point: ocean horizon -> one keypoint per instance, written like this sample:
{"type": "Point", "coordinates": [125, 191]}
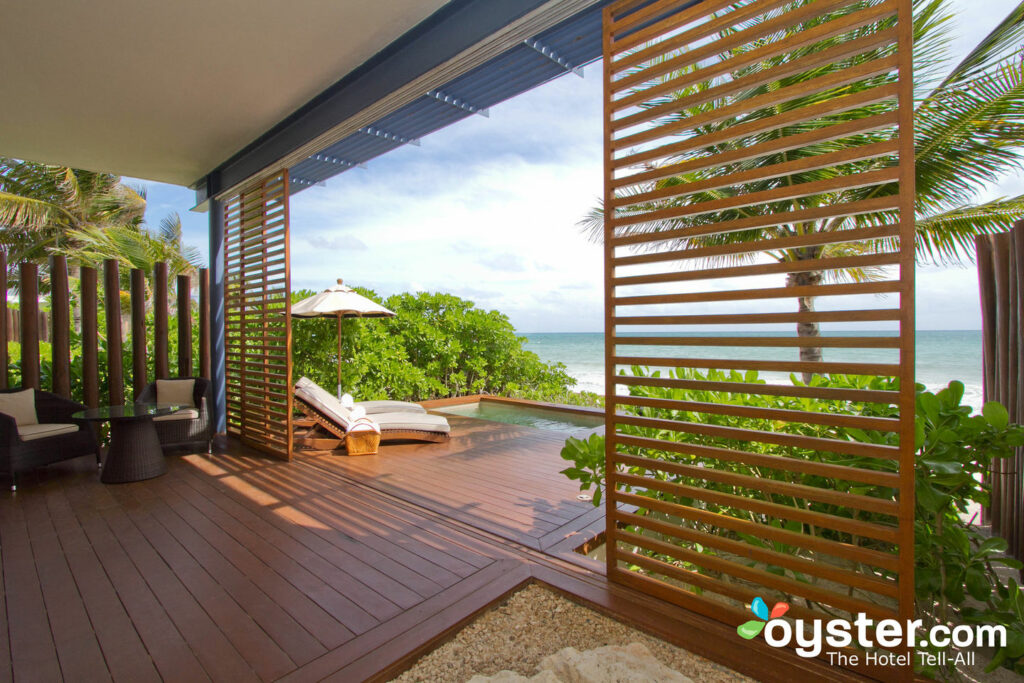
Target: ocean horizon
{"type": "Point", "coordinates": [941, 355]}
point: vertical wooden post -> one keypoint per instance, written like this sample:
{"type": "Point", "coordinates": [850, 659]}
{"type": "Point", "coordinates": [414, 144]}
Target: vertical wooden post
{"type": "Point", "coordinates": [112, 307]}
{"type": "Point", "coordinates": [138, 294]}
{"type": "Point", "coordinates": [204, 323]}
{"type": "Point", "coordinates": [60, 325]}
{"type": "Point", "coordinates": [184, 286]}
{"type": "Point", "coordinates": [160, 370]}
{"type": "Point", "coordinates": [90, 340]}
{"type": "Point", "coordinates": [3, 320]}
{"type": "Point", "coordinates": [29, 325]}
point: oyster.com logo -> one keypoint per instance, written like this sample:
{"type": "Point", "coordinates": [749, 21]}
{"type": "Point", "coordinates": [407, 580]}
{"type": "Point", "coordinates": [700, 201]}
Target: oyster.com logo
{"type": "Point", "coordinates": [753, 628]}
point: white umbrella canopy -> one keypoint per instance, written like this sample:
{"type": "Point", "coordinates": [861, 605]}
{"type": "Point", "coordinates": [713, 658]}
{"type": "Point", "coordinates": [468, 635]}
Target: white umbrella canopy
{"type": "Point", "coordinates": [339, 302]}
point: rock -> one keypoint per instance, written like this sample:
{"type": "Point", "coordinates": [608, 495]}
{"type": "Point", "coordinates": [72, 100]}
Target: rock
{"type": "Point", "coordinates": [631, 663]}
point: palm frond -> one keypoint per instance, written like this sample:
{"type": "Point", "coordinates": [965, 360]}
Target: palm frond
{"type": "Point", "coordinates": [992, 49]}
{"type": "Point", "coordinates": [948, 237]}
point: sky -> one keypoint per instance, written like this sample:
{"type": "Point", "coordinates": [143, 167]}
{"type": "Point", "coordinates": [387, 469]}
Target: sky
{"type": "Point", "coordinates": [487, 209]}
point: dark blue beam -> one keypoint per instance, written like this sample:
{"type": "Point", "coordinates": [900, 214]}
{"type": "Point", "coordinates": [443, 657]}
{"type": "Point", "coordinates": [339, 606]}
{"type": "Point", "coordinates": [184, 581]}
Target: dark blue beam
{"type": "Point", "coordinates": [452, 29]}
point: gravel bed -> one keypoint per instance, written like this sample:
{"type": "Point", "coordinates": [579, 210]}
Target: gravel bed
{"type": "Point", "coordinates": [536, 622]}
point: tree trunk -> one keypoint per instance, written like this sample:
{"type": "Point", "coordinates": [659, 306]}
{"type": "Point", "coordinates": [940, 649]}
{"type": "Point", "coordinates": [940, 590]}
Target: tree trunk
{"type": "Point", "coordinates": [806, 305]}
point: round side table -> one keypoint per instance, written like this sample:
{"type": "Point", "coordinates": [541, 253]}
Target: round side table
{"type": "Point", "coordinates": [134, 452]}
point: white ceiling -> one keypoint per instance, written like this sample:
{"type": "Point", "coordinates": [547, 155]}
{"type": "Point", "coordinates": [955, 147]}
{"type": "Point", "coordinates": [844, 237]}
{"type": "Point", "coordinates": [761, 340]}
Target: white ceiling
{"type": "Point", "coordinates": [168, 89]}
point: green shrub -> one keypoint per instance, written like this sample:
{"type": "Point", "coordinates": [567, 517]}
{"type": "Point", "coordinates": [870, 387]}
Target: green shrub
{"type": "Point", "coordinates": [955, 575]}
{"type": "Point", "coordinates": [438, 345]}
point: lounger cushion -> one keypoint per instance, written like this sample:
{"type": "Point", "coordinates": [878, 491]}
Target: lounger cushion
{"type": "Point", "coordinates": [183, 414]}
{"type": "Point", "coordinates": [176, 391]}
{"type": "Point", "coordinates": [331, 407]}
{"type": "Point", "coordinates": [420, 422]}
{"type": "Point", "coordinates": [21, 405]}
{"type": "Point", "coordinates": [373, 407]}
{"type": "Point", "coordinates": [41, 431]}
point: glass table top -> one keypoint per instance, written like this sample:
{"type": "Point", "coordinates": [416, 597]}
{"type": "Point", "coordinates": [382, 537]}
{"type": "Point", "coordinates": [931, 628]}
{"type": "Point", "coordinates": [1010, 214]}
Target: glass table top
{"type": "Point", "coordinates": [127, 412]}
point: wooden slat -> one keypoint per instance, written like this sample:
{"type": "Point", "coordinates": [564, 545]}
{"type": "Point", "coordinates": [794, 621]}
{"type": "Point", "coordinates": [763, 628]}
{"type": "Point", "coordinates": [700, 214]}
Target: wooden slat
{"type": "Point", "coordinates": [676, 40]}
{"type": "Point", "coordinates": [774, 462]}
{"type": "Point", "coordinates": [140, 362]}
{"type": "Point", "coordinates": [822, 393]}
{"type": "Point", "coordinates": [90, 337]}
{"type": "Point", "coordinates": [4, 332]}
{"type": "Point", "coordinates": [815, 443]}
{"type": "Point", "coordinates": [883, 424]}
{"type": "Point", "coordinates": [802, 266]}
{"type": "Point", "coordinates": [60, 320]}
{"type": "Point", "coordinates": [855, 288]}
{"type": "Point", "coordinates": [761, 577]}
{"type": "Point", "coordinates": [29, 309]}
{"type": "Point", "coordinates": [765, 51]}
{"type": "Point", "coordinates": [765, 556]}
{"type": "Point", "coordinates": [813, 239]}
{"type": "Point", "coordinates": [184, 291]}
{"type": "Point", "coordinates": [846, 551]}
{"type": "Point", "coordinates": [794, 191]}
{"type": "Point", "coordinates": [816, 367]}
{"type": "Point", "coordinates": [112, 309]}
{"type": "Point", "coordinates": [161, 369]}
{"type": "Point", "coordinates": [782, 143]}
{"type": "Point", "coordinates": [868, 315]}
{"type": "Point", "coordinates": [800, 492]}
{"type": "Point", "coordinates": [204, 323]}
{"type": "Point", "coordinates": [844, 524]}
{"type": "Point", "coordinates": [804, 164]}
{"type": "Point", "coordinates": [702, 146]}
{"type": "Point", "coordinates": [767, 342]}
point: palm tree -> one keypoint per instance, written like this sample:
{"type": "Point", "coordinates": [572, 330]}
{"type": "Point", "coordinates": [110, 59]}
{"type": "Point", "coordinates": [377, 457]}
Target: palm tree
{"type": "Point", "coordinates": [969, 132]}
{"type": "Point", "coordinates": [42, 205]}
{"type": "Point", "coordinates": [134, 246]}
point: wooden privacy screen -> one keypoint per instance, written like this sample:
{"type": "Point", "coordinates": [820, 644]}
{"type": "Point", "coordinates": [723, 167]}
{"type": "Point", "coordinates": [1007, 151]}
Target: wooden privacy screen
{"type": "Point", "coordinates": [759, 159]}
{"type": "Point", "coordinates": [1001, 280]}
{"type": "Point", "coordinates": [257, 317]}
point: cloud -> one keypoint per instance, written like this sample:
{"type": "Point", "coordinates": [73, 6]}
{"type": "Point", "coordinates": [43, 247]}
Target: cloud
{"type": "Point", "coordinates": [509, 263]}
{"type": "Point", "coordinates": [338, 242]}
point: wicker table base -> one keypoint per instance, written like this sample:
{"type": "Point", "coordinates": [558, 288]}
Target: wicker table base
{"type": "Point", "coordinates": [134, 453]}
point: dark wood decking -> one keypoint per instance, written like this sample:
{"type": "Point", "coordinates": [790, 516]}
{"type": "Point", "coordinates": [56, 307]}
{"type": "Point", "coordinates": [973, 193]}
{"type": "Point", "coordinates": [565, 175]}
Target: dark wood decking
{"type": "Point", "coordinates": [501, 478]}
{"type": "Point", "coordinates": [236, 567]}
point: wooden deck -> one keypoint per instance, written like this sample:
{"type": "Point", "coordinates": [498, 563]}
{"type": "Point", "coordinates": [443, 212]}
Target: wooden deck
{"type": "Point", "coordinates": [236, 567]}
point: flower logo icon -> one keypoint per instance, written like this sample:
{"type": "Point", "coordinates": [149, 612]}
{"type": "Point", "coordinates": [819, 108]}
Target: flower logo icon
{"type": "Point", "coordinates": [753, 627]}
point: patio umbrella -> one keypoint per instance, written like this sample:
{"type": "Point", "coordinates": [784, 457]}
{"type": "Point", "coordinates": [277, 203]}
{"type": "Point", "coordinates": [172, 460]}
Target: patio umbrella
{"type": "Point", "coordinates": [339, 302]}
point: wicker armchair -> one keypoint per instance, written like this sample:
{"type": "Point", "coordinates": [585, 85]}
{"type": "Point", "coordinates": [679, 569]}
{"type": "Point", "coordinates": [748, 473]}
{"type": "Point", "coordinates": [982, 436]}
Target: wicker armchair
{"type": "Point", "coordinates": [19, 455]}
{"type": "Point", "coordinates": [176, 432]}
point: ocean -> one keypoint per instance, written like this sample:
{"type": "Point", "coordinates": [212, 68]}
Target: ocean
{"type": "Point", "coordinates": [942, 356]}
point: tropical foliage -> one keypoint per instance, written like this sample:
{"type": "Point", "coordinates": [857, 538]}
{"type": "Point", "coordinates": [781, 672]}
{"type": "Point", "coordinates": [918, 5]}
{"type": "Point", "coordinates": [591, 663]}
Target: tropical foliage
{"type": "Point", "coordinates": [956, 575]}
{"type": "Point", "coordinates": [969, 133]}
{"type": "Point", "coordinates": [85, 215]}
{"type": "Point", "coordinates": [438, 345]}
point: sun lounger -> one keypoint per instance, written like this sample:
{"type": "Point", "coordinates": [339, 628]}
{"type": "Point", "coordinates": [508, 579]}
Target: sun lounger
{"type": "Point", "coordinates": [328, 421]}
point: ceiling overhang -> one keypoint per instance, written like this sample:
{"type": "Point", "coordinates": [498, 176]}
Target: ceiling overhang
{"type": "Point", "coordinates": [167, 91]}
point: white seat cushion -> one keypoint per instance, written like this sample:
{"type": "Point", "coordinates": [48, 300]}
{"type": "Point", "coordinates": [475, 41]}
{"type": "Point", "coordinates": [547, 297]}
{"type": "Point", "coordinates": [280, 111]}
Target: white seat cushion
{"type": "Point", "coordinates": [314, 395]}
{"type": "Point", "coordinates": [421, 422]}
{"type": "Point", "coordinates": [176, 391]}
{"type": "Point", "coordinates": [41, 431]}
{"type": "Point", "coordinates": [21, 405]}
{"type": "Point", "coordinates": [373, 407]}
{"type": "Point", "coordinates": [183, 414]}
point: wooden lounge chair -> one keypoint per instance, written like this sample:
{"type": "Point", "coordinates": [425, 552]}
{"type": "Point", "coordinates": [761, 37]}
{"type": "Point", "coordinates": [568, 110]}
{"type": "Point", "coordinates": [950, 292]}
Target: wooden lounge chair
{"type": "Point", "coordinates": [327, 421]}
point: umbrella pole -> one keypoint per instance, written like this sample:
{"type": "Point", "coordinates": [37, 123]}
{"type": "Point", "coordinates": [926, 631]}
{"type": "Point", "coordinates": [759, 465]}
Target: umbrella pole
{"type": "Point", "coordinates": [339, 357]}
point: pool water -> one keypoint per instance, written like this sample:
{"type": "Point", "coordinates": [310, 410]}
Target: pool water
{"type": "Point", "coordinates": [529, 416]}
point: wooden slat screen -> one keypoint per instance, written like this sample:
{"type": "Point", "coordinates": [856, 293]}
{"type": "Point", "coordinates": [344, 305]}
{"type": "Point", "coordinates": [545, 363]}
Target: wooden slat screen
{"type": "Point", "coordinates": [257, 314]}
{"type": "Point", "coordinates": [756, 150]}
